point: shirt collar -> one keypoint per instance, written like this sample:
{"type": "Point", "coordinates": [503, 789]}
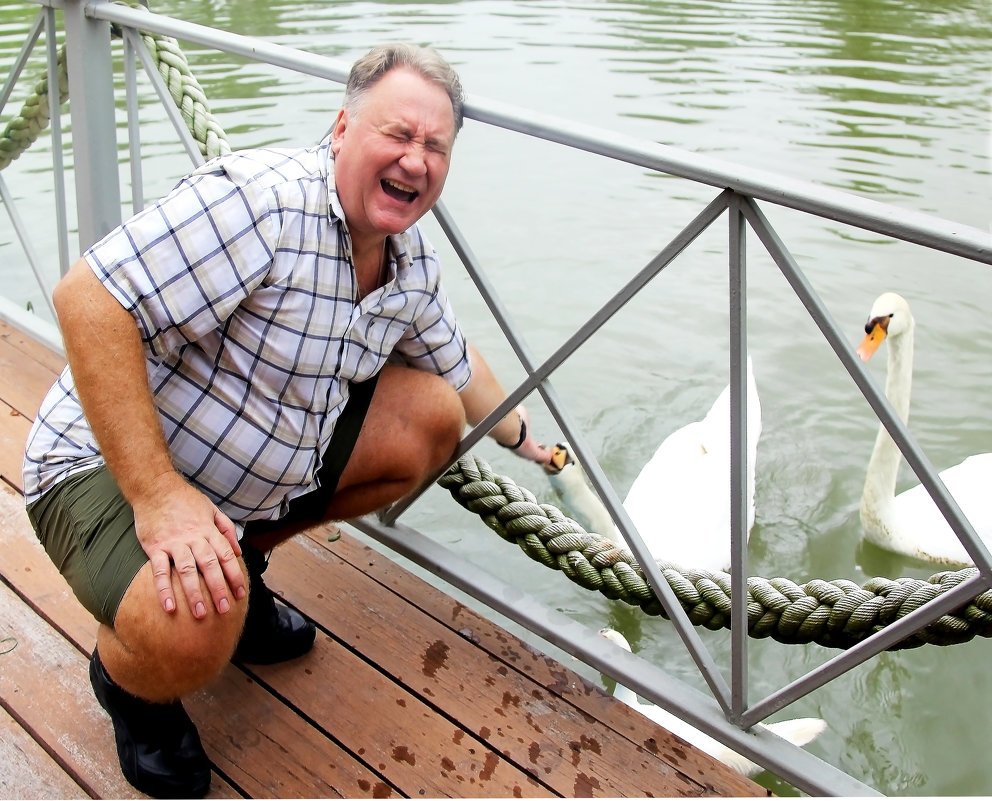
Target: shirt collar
{"type": "Point", "coordinates": [326, 165]}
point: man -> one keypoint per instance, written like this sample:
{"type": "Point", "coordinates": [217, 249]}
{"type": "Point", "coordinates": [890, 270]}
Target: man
{"type": "Point", "coordinates": [267, 346]}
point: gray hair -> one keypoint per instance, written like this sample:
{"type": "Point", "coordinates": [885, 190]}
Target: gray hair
{"type": "Point", "coordinates": [367, 71]}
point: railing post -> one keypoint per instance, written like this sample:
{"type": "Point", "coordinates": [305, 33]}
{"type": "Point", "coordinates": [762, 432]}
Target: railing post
{"type": "Point", "coordinates": [739, 531]}
{"type": "Point", "coordinates": [94, 127]}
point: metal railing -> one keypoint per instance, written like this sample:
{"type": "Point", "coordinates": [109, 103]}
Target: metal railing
{"type": "Point", "coordinates": [726, 714]}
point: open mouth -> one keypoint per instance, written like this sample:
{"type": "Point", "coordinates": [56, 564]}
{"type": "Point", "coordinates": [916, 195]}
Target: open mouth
{"type": "Point", "coordinates": [398, 191]}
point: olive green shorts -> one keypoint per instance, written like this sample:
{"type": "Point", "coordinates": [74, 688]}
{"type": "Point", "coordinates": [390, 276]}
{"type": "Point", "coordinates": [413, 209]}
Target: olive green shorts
{"type": "Point", "coordinates": [87, 528]}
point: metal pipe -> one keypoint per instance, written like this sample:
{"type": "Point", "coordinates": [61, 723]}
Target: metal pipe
{"type": "Point", "coordinates": [58, 162]}
{"type": "Point", "coordinates": [22, 59]}
{"type": "Point", "coordinates": [94, 127]}
{"type": "Point", "coordinates": [737, 292]}
{"type": "Point", "coordinates": [133, 126]}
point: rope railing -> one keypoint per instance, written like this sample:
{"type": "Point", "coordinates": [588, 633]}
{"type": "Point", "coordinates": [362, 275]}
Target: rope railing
{"type": "Point", "coordinates": [187, 94]}
{"type": "Point", "coordinates": [837, 614]}
{"type": "Point", "coordinates": [33, 118]}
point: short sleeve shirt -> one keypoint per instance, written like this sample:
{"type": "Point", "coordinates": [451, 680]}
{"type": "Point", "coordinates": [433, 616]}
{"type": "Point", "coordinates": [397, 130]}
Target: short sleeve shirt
{"type": "Point", "coordinates": [242, 286]}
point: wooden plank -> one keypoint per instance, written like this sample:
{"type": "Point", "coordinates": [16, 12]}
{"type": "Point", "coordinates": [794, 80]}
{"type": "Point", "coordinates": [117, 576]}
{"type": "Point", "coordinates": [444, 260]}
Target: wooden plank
{"type": "Point", "coordinates": [28, 770]}
{"type": "Point", "coordinates": [417, 750]}
{"type": "Point", "coordinates": [534, 732]}
{"type": "Point", "coordinates": [14, 428]}
{"type": "Point", "coordinates": [268, 751]}
{"type": "Point", "coordinates": [530, 724]}
{"type": "Point", "coordinates": [44, 686]}
{"type": "Point", "coordinates": [32, 349]}
{"type": "Point", "coordinates": [715, 777]}
{"type": "Point", "coordinates": [27, 371]}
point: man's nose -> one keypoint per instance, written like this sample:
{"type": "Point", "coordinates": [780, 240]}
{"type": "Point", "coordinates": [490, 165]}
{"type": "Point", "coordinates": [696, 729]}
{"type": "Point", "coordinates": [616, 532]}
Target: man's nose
{"type": "Point", "coordinates": [414, 160]}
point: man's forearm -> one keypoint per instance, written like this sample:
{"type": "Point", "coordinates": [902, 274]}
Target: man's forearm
{"type": "Point", "coordinates": [483, 394]}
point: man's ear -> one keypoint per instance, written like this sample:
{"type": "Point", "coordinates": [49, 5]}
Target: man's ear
{"type": "Point", "coordinates": [337, 132]}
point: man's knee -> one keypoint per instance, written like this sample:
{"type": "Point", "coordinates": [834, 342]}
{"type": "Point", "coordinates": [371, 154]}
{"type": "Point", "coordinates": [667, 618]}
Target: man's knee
{"type": "Point", "coordinates": [447, 420]}
{"type": "Point", "coordinates": [426, 409]}
{"type": "Point", "coordinates": [171, 654]}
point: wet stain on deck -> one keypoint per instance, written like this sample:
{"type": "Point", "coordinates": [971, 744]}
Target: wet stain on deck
{"type": "Point", "coordinates": [435, 658]}
{"type": "Point", "coordinates": [585, 786]}
{"type": "Point", "coordinates": [403, 754]}
{"type": "Point", "coordinates": [491, 763]}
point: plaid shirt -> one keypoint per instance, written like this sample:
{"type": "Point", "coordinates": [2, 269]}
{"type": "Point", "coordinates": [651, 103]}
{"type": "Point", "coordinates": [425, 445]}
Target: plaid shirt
{"type": "Point", "coordinates": [242, 286]}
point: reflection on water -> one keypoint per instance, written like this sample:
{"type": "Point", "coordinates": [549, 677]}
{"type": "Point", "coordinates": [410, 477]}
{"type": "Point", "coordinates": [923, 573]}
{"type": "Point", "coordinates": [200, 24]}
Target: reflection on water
{"type": "Point", "coordinates": [880, 750]}
{"type": "Point", "coordinates": [886, 99]}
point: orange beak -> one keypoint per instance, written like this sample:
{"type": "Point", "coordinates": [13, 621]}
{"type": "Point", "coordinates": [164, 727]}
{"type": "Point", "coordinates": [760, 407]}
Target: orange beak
{"type": "Point", "coordinates": [560, 457]}
{"type": "Point", "coordinates": [871, 342]}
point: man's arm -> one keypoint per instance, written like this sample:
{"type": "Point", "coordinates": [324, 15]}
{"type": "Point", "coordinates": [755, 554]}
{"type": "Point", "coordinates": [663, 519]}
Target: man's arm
{"type": "Point", "coordinates": [175, 523]}
{"type": "Point", "coordinates": [482, 394]}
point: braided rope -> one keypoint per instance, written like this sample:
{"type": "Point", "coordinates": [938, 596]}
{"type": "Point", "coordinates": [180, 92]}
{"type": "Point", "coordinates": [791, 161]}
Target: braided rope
{"type": "Point", "coordinates": [33, 118]}
{"type": "Point", "coordinates": [187, 94]}
{"type": "Point", "coordinates": [837, 614]}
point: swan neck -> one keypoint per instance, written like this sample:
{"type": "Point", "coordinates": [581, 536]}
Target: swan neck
{"type": "Point", "coordinates": [625, 694]}
{"type": "Point", "coordinates": [899, 375]}
{"type": "Point", "coordinates": [883, 467]}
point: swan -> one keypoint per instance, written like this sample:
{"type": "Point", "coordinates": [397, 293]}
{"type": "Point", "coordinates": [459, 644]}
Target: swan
{"type": "Point", "coordinates": [798, 731]}
{"type": "Point", "coordinates": [680, 500]}
{"type": "Point", "coordinates": [910, 523]}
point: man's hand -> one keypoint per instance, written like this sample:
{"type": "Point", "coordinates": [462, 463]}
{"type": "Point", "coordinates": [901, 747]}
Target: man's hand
{"type": "Point", "coordinates": [178, 526]}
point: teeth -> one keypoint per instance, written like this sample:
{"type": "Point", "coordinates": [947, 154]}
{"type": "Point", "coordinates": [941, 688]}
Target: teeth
{"type": "Point", "coordinates": [402, 187]}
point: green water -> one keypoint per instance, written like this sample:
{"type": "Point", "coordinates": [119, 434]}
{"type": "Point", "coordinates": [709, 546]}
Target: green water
{"type": "Point", "coordinates": [884, 99]}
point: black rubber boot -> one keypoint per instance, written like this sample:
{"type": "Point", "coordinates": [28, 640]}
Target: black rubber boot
{"type": "Point", "coordinates": [273, 632]}
{"type": "Point", "coordinates": [157, 744]}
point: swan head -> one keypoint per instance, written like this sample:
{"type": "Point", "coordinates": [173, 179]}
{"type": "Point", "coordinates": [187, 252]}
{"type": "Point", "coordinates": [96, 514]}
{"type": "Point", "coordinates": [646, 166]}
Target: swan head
{"type": "Point", "coordinates": [615, 637]}
{"type": "Point", "coordinates": [889, 317]}
{"type": "Point", "coordinates": [560, 459]}
{"type": "Point", "coordinates": [567, 477]}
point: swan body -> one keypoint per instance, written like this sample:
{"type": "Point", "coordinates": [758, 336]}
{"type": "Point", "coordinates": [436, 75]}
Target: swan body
{"type": "Point", "coordinates": [910, 523]}
{"type": "Point", "coordinates": [680, 500]}
{"type": "Point", "coordinates": [799, 731]}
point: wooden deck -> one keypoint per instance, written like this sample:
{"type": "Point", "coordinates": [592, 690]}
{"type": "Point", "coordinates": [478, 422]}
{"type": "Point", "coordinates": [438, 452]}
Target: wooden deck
{"type": "Point", "coordinates": [406, 693]}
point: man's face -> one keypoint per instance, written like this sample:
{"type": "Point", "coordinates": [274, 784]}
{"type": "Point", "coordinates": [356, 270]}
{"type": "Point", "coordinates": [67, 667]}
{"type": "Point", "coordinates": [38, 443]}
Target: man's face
{"type": "Point", "coordinates": [391, 155]}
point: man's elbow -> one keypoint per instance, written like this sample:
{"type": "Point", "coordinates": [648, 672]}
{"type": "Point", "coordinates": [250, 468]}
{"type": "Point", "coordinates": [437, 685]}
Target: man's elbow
{"type": "Point", "coordinates": [72, 289]}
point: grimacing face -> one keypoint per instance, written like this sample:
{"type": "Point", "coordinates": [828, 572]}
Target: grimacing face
{"type": "Point", "coordinates": [392, 153]}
